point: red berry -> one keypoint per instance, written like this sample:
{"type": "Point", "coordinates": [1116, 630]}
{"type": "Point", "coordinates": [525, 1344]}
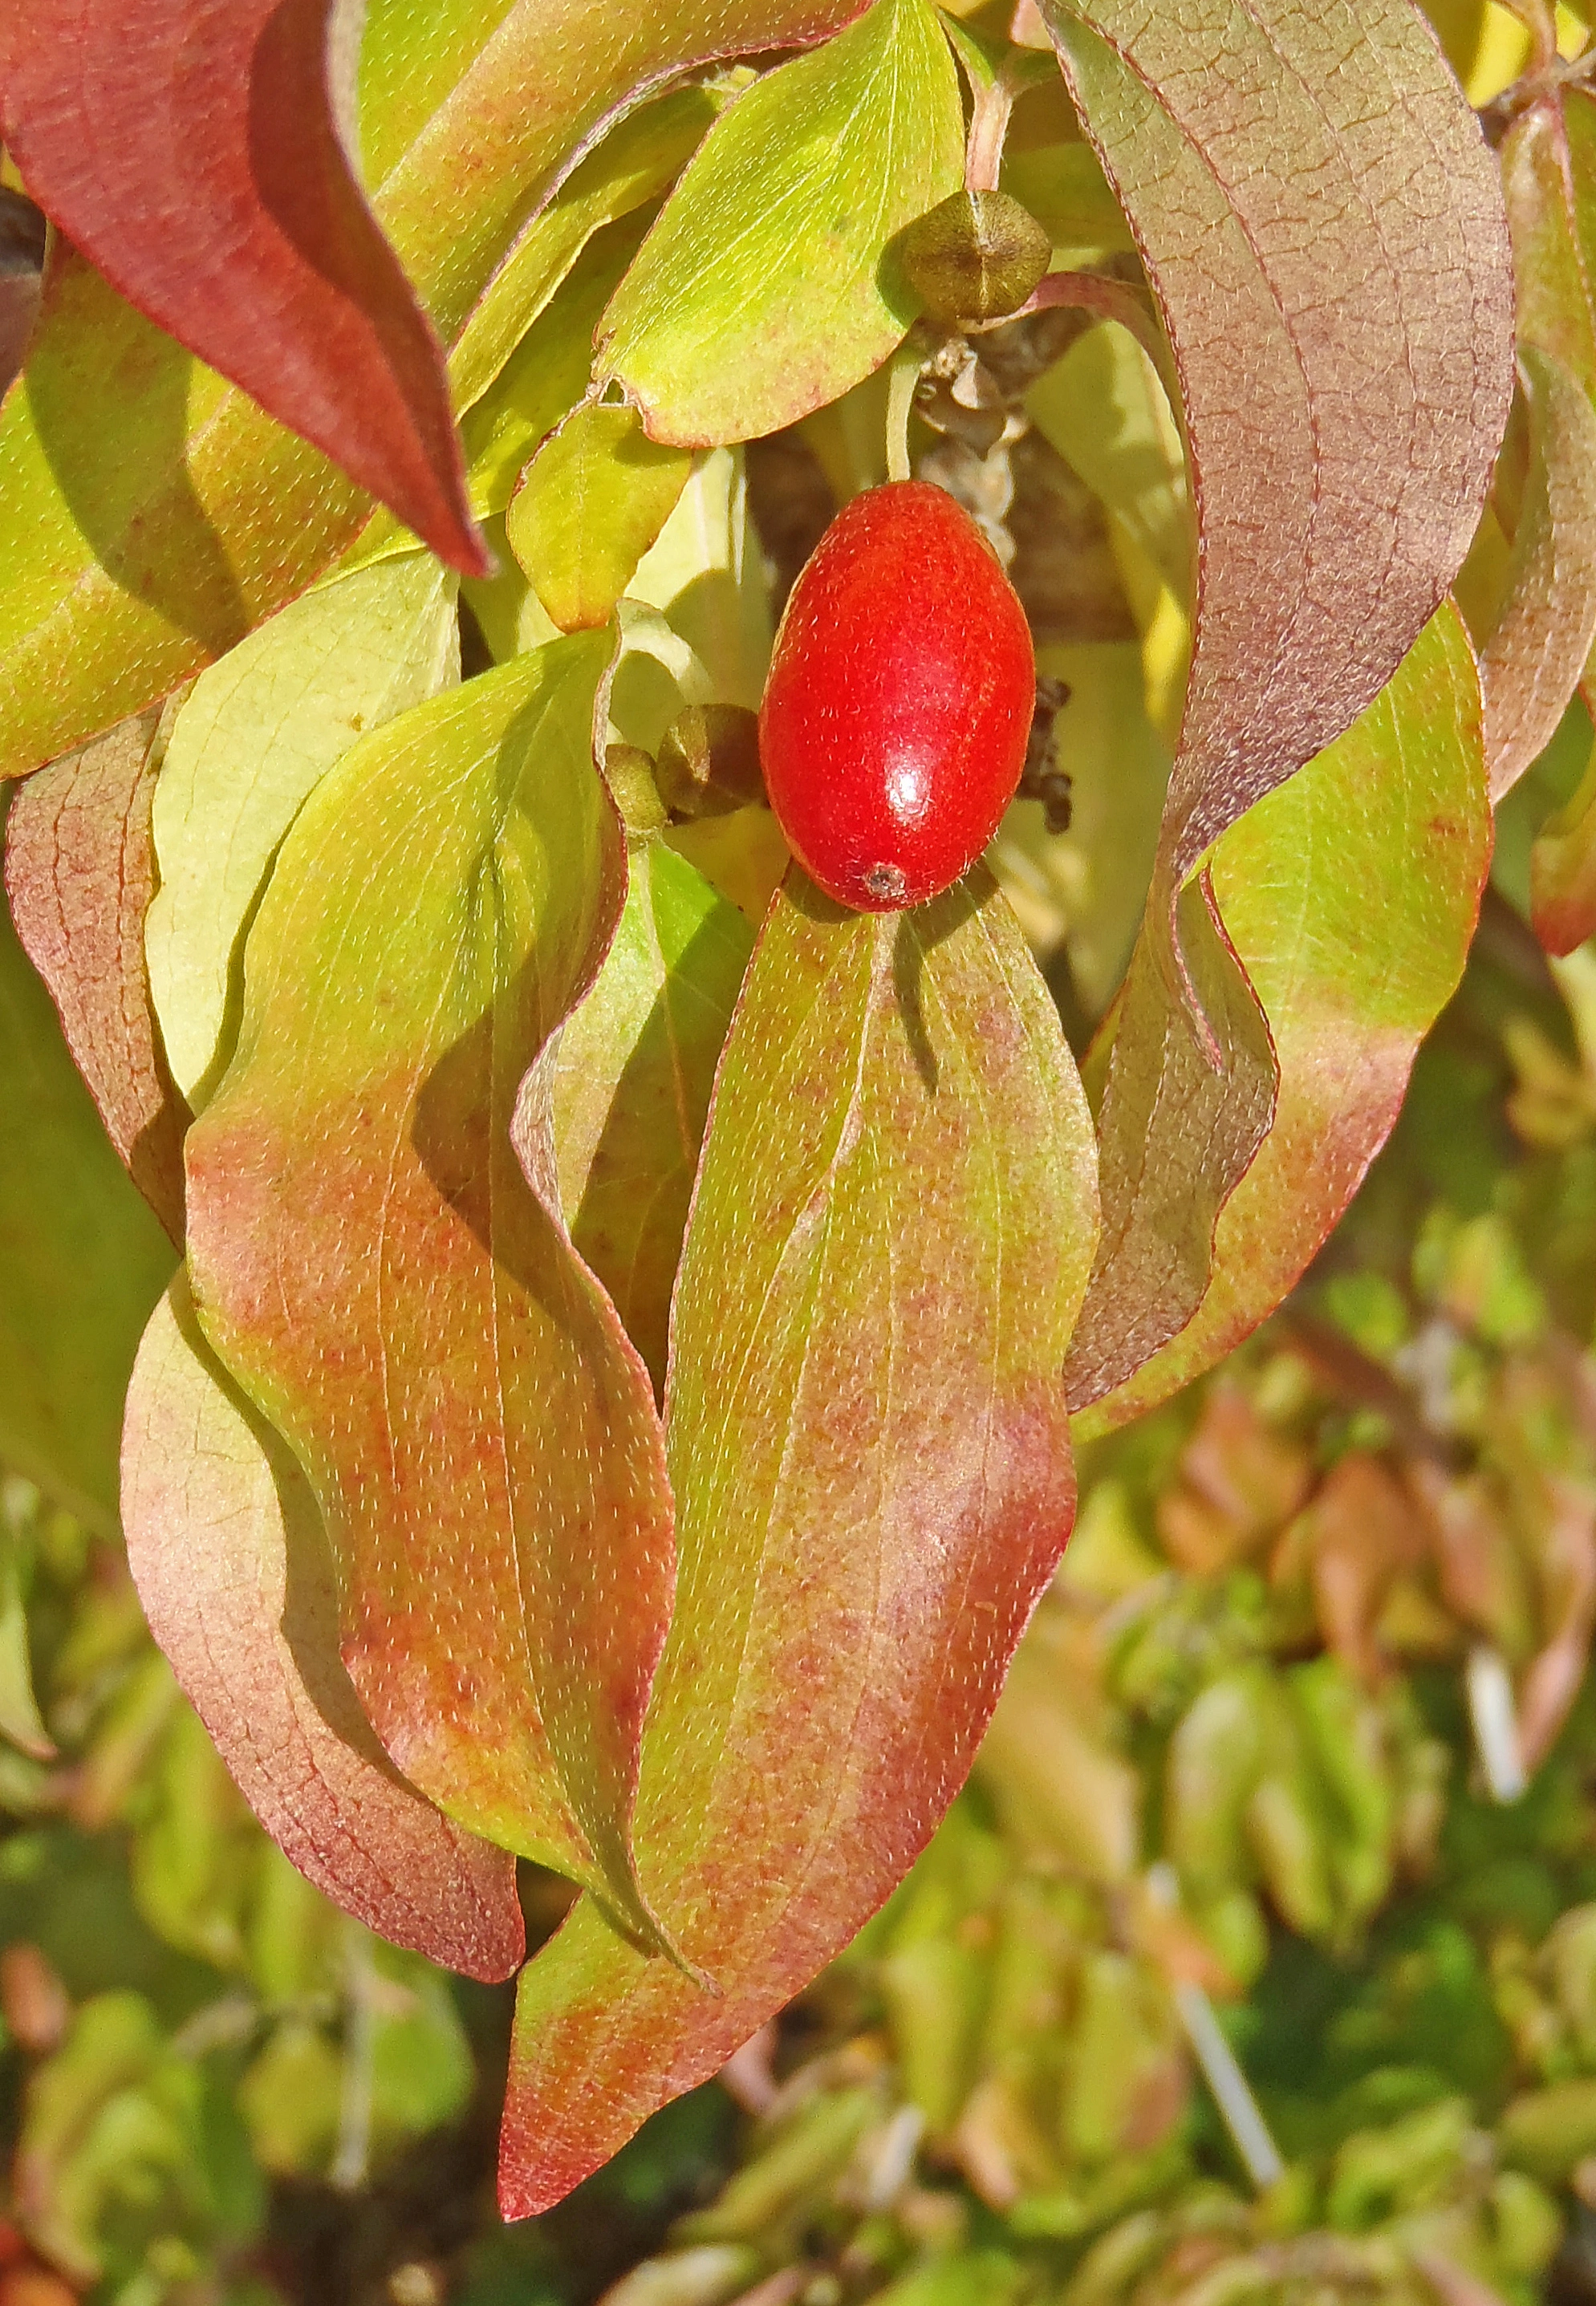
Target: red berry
{"type": "Point", "coordinates": [895, 718]}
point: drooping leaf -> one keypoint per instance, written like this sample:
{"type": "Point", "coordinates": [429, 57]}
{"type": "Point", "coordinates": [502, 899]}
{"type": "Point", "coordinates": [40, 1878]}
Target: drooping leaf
{"type": "Point", "coordinates": [589, 506]}
{"type": "Point", "coordinates": [151, 514]}
{"type": "Point", "coordinates": [767, 287]}
{"type": "Point", "coordinates": [372, 1266]}
{"type": "Point", "coordinates": [871, 1465]}
{"type": "Point", "coordinates": [79, 871]}
{"type": "Point", "coordinates": [176, 119]}
{"type": "Point", "coordinates": [232, 1565]}
{"type": "Point", "coordinates": [1531, 660]}
{"type": "Point", "coordinates": [82, 1259]}
{"type": "Point", "coordinates": [632, 1084]}
{"type": "Point", "coordinates": [1349, 895]}
{"type": "Point", "coordinates": [1322, 227]}
{"type": "Point", "coordinates": [254, 736]}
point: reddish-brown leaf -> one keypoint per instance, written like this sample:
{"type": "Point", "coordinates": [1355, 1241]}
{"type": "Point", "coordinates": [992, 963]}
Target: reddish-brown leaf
{"type": "Point", "coordinates": [232, 1565]}
{"type": "Point", "coordinates": [871, 1463]}
{"type": "Point", "coordinates": [195, 154]}
{"type": "Point", "coordinates": [80, 873]}
{"type": "Point", "coordinates": [1322, 226]}
{"type": "Point", "coordinates": [1351, 894]}
{"type": "Point", "coordinates": [370, 1263]}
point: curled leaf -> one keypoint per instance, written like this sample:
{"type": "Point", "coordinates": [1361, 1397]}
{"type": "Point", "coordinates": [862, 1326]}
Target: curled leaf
{"type": "Point", "coordinates": [232, 1565]}
{"type": "Point", "coordinates": [373, 1267]}
{"type": "Point", "coordinates": [80, 872]}
{"type": "Point", "coordinates": [176, 118]}
{"type": "Point", "coordinates": [870, 1459]}
{"type": "Point", "coordinates": [1322, 226]}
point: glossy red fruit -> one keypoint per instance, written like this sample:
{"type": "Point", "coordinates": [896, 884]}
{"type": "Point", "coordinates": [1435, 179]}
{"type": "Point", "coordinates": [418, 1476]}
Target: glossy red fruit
{"type": "Point", "coordinates": [899, 700]}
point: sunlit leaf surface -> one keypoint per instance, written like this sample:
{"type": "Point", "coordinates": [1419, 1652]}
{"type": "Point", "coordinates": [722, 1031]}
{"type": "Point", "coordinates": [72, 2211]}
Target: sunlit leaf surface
{"type": "Point", "coordinates": [254, 736]}
{"type": "Point", "coordinates": [767, 287]}
{"type": "Point", "coordinates": [233, 1572]}
{"type": "Point", "coordinates": [372, 1265]}
{"type": "Point", "coordinates": [1323, 230]}
{"type": "Point", "coordinates": [1350, 896]}
{"type": "Point", "coordinates": [632, 1086]}
{"type": "Point", "coordinates": [870, 1456]}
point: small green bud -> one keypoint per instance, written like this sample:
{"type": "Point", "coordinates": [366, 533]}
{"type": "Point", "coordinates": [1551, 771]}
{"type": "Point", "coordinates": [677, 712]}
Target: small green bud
{"type": "Point", "coordinates": [629, 774]}
{"type": "Point", "coordinates": [974, 257]}
{"type": "Point", "coordinates": [709, 761]}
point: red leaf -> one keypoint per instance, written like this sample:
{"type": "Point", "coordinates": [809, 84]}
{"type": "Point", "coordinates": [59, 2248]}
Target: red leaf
{"type": "Point", "coordinates": [80, 874]}
{"type": "Point", "coordinates": [189, 149]}
{"type": "Point", "coordinates": [230, 1559]}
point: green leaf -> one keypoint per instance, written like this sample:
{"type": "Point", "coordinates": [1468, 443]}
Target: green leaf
{"type": "Point", "coordinates": [1092, 880]}
{"type": "Point", "coordinates": [548, 372]}
{"type": "Point", "coordinates": [82, 1259]}
{"type": "Point", "coordinates": [705, 577]}
{"type": "Point", "coordinates": [870, 1461]}
{"type": "Point", "coordinates": [150, 514]}
{"type": "Point", "coordinates": [1064, 188]}
{"type": "Point", "coordinates": [80, 872]}
{"type": "Point", "coordinates": [254, 736]}
{"type": "Point", "coordinates": [766, 289]}
{"type": "Point", "coordinates": [632, 1085]}
{"type": "Point", "coordinates": [1103, 408]}
{"type": "Point", "coordinates": [1350, 896]}
{"type": "Point", "coordinates": [1551, 196]}
{"type": "Point", "coordinates": [1322, 229]}
{"type": "Point", "coordinates": [1532, 660]}
{"type": "Point", "coordinates": [403, 1304]}
{"type": "Point", "coordinates": [631, 167]}
{"type": "Point", "coordinates": [233, 1570]}
{"type": "Point", "coordinates": [588, 507]}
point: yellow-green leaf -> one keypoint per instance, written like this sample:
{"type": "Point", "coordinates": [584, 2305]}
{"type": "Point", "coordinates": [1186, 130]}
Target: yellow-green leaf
{"type": "Point", "coordinates": [766, 289]}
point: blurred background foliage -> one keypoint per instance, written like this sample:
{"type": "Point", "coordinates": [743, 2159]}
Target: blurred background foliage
{"type": "Point", "coordinates": [1256, 1961]}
